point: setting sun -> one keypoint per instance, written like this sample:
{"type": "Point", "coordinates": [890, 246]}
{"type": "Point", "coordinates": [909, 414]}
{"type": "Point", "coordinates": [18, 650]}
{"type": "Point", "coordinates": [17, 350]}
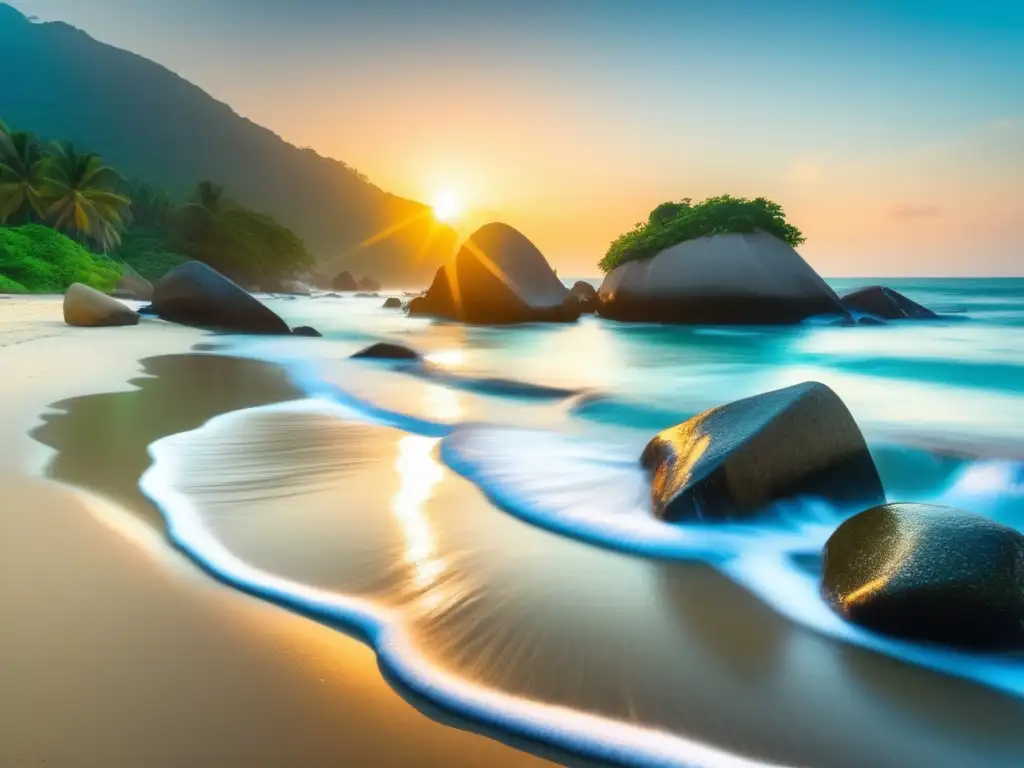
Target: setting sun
{"type": "Point", "coordinates": [447, 206]}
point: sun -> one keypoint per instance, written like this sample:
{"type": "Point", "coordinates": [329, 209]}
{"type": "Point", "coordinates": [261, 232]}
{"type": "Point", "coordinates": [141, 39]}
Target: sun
{"type": "Point", "coordinates": [447, 206]}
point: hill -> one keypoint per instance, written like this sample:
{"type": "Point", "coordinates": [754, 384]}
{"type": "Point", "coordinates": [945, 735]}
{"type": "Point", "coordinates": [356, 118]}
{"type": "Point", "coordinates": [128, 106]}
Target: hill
{"type": "Point", "coordinates": [156, 127]}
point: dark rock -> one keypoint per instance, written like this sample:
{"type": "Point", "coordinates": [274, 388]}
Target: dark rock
{"type": "Point", "coordinates": [746, 279]}
{"type": "Point", "coordinates": [392, 302]}
{"type": "Point", "coordinates": [132, 286]}
{"type": "Point", "coordinates": [885, 303]}
{"type": "Point", "coordinates": [418, 306]}
{"type": "Point", "coordinates": [368, 284]}
{"type": "Point", "coordinates": [367, 295]}
{"type": "Point", "coordinates": [927, 573]}
{"type": "Point", "coordinates": [88, 308]}
{"type": "Point", "coordinates": [585, 294]}
{"type": "Point", "coordinates": [195, 294]}
{"type": "Point", "coordinates": [385, 351]}
{"type": "Point", "coordinates": [344, 282]}
{"type": "Point", "coordinates": [305, 330]}
{"type": "Point", "coordinates": [733, 461]}
{"type": "Point", "coordinates": [147, 310]}
{"type": "Point", "coordinates": [498, 277]}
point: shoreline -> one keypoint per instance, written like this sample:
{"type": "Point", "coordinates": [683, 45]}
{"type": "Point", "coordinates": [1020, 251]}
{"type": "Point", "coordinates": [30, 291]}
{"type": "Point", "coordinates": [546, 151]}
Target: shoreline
{"type": "Point", "coordinates": [144, 665]}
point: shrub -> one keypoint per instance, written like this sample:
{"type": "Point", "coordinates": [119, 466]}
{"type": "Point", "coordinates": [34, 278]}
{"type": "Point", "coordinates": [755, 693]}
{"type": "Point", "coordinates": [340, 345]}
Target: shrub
{"type": "Point", "coordinates": [150, 251]}
{"type": "Point", "coordinates": [41, 260]}
{"type": "Point", "coordinates": [10, 286]}
{"type": "Point", "coordinates": [675, 222]}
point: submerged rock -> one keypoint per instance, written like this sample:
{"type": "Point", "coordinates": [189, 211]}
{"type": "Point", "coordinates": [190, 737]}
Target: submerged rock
{"type": "Point", "coordinates": [305, 330]}
{"type": "Point", "coordinates": [750, 279]}
{"type": "Point", "coordinates": [88, 308]}
{"type": "Point", "coordinates": [392, 302]}
{"type": "Point", "coordinates": [498, 277]}
{"type": "Point", "coordinates": [386, 351]}
{"type": "Point", "coordinates": [585, 294]}
{"type": "Point", "coordinates": [344, 281]}
{"type": "Point", "coordinates": [928, 573]}
{"type": "Point", "coordinates": [734, 461]}
{"type": "Point", "coordinates": [885, 303]}
{"type": "Point", "coordinates": [195, 294]}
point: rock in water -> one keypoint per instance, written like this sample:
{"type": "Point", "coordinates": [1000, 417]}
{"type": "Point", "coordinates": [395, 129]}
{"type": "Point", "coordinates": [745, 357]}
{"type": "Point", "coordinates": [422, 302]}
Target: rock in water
{"type": "Point", "coordinates": [734, 461]}
{"type": "Point", "coordinates": [934, 574]}
{"type": "Point", "coordinates": [305, 330]}
{"type": "Point", "coordinates": [747, 279]}
{"type": "Point", "coordinates": [345, 282]}
{"type": "Point", "coordinates": [585, 294]}
{"type": "Point", "coordinates": [133, 287]}
{"type": "Point", "coordinates": [195, 294]}
{"type": "Point", "coordinates": [368, 284]}
{"type": "Point", "coordinates": [498, 277]}
{"type": "Point", "coordinates": [88, 308]}
{"type": "Point", "coordinates": [879, 301]}
{"type": "Point", "coordinates": [393, 303]}
{"type": "Point", "coordinates": [385, 351]}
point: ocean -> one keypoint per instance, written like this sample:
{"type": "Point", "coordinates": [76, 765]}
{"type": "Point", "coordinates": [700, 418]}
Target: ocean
{"type": "Point", "coordinates": [484, 524]}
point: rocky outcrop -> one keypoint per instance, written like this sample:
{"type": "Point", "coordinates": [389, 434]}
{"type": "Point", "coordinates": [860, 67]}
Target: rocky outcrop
{"type": "Point", "coordinates": [747, 279]}
{"type": "Point", "coordinates": [586, 295]}
{"type": "Point", "coordinates": [498, 277]}
{"type": "Point", "coordinates": [885, 303]}
{"type": "Point", "coordinates": [133, 287]}
{"type": "Point", "coordinates": [386, 351]}
{"type": "Point", "coordinates": [929, 573]}
{"type": "Point", "coordinates": [368, 284]}
{"type": "Point", "coordinates": [88, 308]}
{"type": "Point", "coordinates": [305, 330]}
{"type": "Point", "coordinates": [195, 294]}
{"type": "Point", "coordinates": [736, 460]}
{"type": "Point", "coordinates": [344, 281]}
{"type": "Point", "coordinates": [393, 302]}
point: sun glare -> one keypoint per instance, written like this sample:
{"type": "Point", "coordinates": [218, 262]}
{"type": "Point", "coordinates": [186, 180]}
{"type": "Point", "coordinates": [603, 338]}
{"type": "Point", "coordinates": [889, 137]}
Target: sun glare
{"type": "Point", "coordinates": [447, 206]}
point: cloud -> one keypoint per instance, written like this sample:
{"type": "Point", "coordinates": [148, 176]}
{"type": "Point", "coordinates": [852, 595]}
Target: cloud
{"type": "Point", "coordinates": [915, 211]}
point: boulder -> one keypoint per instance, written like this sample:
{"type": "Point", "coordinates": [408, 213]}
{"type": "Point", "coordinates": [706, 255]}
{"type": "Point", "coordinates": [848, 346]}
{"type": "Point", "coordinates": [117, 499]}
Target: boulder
{"type": "Point", "coordinates": [392, 302]}
{"type": "Point", "coordinates": [385, 351]}
{"type": "Point", "coordinates": [368, 284]}
{"type": "Point", "coordinates": [928, 573]}
{"type": "Point", "coordinates": [132, 286]}
{"type": "Point", "coordinates": [89, 308]}
{"type": "Point", "coordinates": [498, 277]}
{"type": "Point", "coordinates": [195, 294]}
{"type": "Point", "coordinates": [885, 303]}
{"type": "Point", "coordinates": [344, 282]}
{"type": "Point", "coordinates": [585, 294]}
{"type": "Point", "coordinates": [736, 460]}
{"type": "Point", "coordinates": [745, 279]}
{"type": "Point", "coordinates": [305, 330]}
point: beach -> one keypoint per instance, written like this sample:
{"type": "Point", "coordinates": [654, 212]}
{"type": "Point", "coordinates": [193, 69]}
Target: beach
{"type": "Point", "coordinates": [119, 652]}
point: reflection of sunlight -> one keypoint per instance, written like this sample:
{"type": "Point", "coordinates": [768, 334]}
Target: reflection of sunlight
{"type": "Point", "coordinates": [419, 473]}
{"type": "Point", "coordinates": [443, 404]}
{"type": "Point", "coordinates": [448, 358]}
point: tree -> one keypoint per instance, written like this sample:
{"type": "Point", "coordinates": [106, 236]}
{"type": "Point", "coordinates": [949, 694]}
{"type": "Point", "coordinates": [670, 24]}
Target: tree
{"type": "Point", "coordinates": [22, 175]}
{"type": "Point", "coordinates": [81, 197]}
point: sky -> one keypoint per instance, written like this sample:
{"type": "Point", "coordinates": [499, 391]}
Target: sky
{"type": "Point", "coordinates": [892, 133]}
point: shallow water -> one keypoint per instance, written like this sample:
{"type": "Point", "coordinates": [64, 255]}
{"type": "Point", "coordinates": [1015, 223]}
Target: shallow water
{"type": "Point", "coordinates": [484, 525]}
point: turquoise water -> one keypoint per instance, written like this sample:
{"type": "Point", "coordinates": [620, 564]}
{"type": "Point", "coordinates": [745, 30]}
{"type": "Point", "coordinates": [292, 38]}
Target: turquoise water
{"type": "Point", "coordinates": [483, 522]}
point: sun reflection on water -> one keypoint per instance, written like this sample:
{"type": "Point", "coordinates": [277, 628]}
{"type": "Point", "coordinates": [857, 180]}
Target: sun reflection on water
{"type": "Point", "coordinates": [419, 473]}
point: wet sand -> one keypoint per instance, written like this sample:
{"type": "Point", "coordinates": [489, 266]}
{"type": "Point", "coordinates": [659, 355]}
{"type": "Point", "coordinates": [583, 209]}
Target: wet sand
{"type": "Point", "coordinates": [117, 651]}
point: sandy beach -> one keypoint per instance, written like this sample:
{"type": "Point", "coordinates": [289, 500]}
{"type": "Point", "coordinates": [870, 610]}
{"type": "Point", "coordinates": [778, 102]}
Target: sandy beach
{"type": "Point", "coordinates": [118, 651]}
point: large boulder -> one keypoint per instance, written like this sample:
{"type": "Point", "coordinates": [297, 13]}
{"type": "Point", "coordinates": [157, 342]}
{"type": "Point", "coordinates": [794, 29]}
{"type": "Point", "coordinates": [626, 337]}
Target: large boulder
{"type": "Point", "coordinates": [195, 294]}
{"type": "Point", "coordinates": [384, 350]}
{"type": "Point", "coordinates": [344, 281]}
{"type": "Point", "coordinates": [746, 279]}
{"type": "Point", "coordinates": [585, 294]}
{"type": "Point", "coordinates": [368, 284]}
{"type": "Point", "coordinates": [132, 286]}
{"type": "Point", "coordinates": [498, 277]}
{"type": "Point", "coordinates": [885, 303]}
{"type": "Point", "coordinates": [736, 460]}
{"type": "Point", "coordinates": [89, 308]}
{"type": "Point", "coordinates": [392, 302]}
{"type": "Point", "coordinates": [929, 573]}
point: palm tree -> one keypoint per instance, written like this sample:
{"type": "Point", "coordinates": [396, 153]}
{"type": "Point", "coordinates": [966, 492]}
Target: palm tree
{"type": "Point", "coordinates": [81, 197]}
{"type": "Point", "coordinates": [22, 176]}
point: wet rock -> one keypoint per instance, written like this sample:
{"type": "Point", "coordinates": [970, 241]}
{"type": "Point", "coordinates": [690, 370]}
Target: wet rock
{"type": "Point", "coordinates": [498, 277]}
{"type": "Point", "coordinates": [747, 279]}
{"type": "Point", "coordinates": [393, 303]}
{"type": "Point", "coordinates": [386, 351]}
{"type": "Point", "coordinates": [305, 330]}
{"type": "Point", "coordinates": [928, 573]}
{"type": "Point", "coordinates": [195, 294]}
{"type": "Point", "coordinates": [885, 303]}
{"type": "Point", "coordinates": [88, 308]}
{"type": "Point", "coordinates": [344, 281]}
{"type": "Point", "coordinates": [736, 460]}
{"type": "Point", "coordinates": [585, 294]}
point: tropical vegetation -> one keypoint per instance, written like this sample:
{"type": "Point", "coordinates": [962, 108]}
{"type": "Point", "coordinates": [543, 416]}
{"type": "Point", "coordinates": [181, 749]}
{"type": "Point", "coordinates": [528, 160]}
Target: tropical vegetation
{"type": "Point", "coordinates": [38, 259]}
{"type": "Point", "coordinates": [672, 223]}
{"type": "Point", "coordinates": [56, 187]}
